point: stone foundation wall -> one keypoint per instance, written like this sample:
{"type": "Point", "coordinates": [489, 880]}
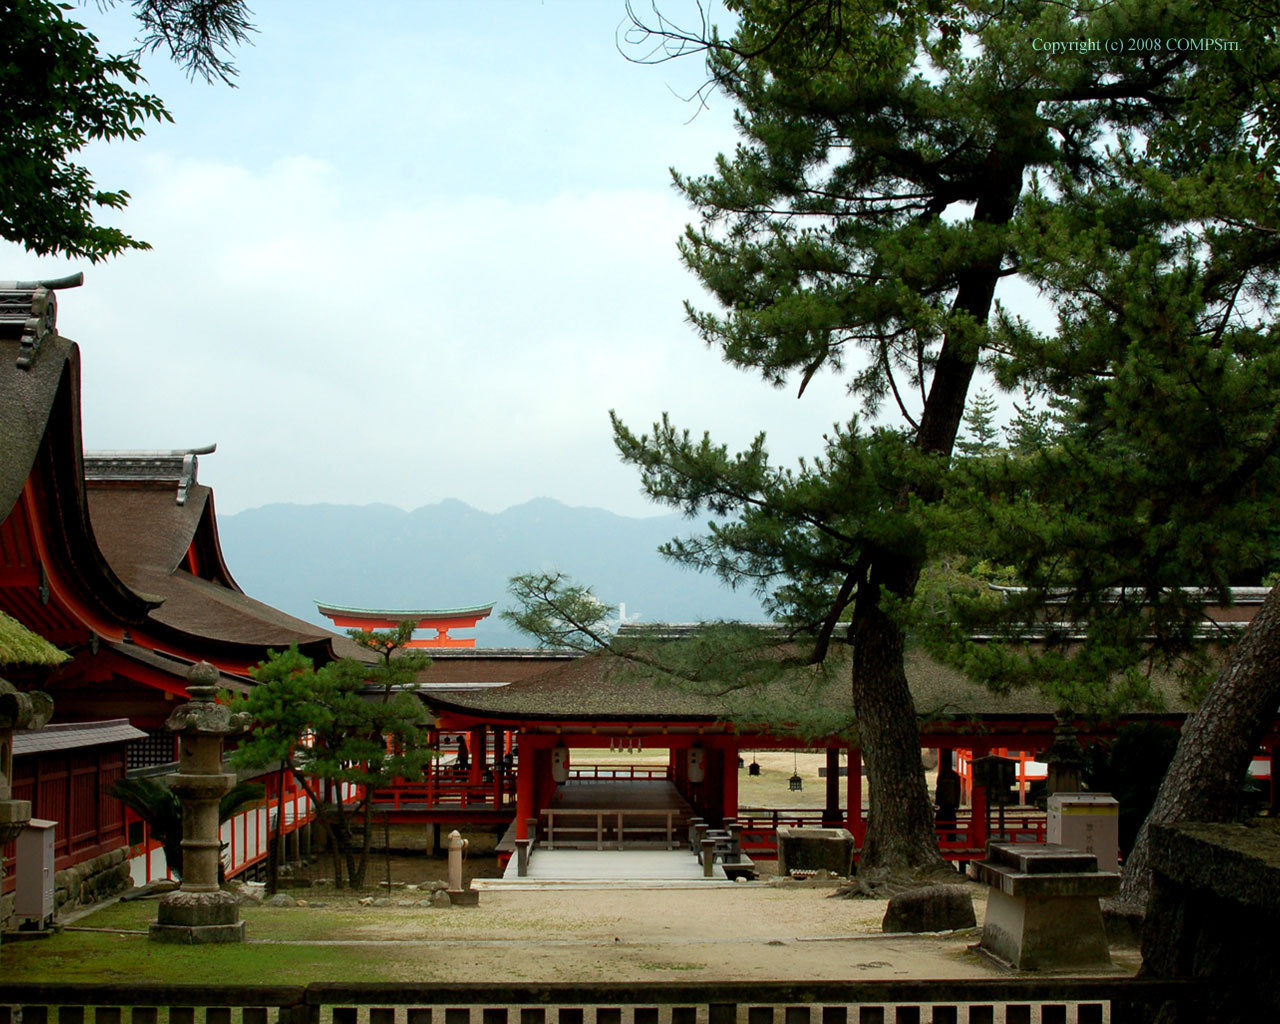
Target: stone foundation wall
{"type": "Point", "coordinates": [92, 880]}
{"type": "Point", "coordinates": [1213, 916]}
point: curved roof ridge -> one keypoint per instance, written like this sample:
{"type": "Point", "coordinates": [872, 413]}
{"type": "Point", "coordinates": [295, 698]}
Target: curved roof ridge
{"type": "Point", "coordinates": [403, 613]}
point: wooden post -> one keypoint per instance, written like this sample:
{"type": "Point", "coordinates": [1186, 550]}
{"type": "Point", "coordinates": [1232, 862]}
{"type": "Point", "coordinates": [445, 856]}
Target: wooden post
{"type": "Point", "coordinates": [977, 803]}
{"type": "Point", "coordinates": [831, 813]}
{"type": "Point", "coordinates": [729, 804]}
{"type": "Point", "coordinates": [477, 743]}
{"type": "Point", "coordinates": [524, 785]}
{"type": "Point", "coordinates": [854, 790]}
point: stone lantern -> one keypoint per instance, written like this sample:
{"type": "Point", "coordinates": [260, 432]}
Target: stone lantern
{"type": "Point", "coordinates": [1064, 758]}
{"type": "Point", "coordinates": [18, 710]}
{"type": "Point", "coordinates": [200, 911]}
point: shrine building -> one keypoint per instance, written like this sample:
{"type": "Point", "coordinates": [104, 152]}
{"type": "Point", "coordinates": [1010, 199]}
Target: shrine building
{"type": "Point", "coordinates": [114, 558]}
{"type": "Point", "coordinates": [530, 739]}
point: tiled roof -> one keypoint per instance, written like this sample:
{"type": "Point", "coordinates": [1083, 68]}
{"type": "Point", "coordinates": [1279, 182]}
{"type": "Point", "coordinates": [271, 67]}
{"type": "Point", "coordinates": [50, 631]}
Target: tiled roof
{"type": "Point", "coordinates": [73, 735]}
{"type": "Point", "coordinates": [177, 468]}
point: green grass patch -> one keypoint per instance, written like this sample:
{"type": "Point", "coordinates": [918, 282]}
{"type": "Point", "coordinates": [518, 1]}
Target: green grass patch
{"type": "Point", "coordinates": [113, 957]}
{"type": "Point", "coordinates": [117, 947]}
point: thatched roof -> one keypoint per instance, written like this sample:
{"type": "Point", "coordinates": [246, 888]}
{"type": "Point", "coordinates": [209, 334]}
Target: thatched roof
{"type": "Point", "coordinates": [602, 687]}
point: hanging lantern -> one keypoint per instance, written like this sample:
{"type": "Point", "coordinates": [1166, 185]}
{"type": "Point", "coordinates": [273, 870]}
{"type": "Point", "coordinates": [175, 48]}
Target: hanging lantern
{"type": "Point", "coordinates": [753, 768]}
{"type": "Point", "coordinates": [741, 762]}
{"type": "Point", "coordinates": [796, 783]}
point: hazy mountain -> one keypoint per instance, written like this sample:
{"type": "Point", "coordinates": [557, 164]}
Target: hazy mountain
{"type": "Point", "coordinates": [450, 555]}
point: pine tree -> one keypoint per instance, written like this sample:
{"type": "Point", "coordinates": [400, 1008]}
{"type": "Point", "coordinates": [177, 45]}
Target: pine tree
{"type": "Point", "coordinates": [349, 722]}
{"type": "Point", "coordinates": [980, 428]}
{"type": "Point", "coordinates": [897, 162]}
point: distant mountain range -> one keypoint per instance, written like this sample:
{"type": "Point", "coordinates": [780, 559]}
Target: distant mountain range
{"type": "Point", "coordinates": [451, 555]}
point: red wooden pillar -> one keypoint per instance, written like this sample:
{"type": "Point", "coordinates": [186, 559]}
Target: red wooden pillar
{"type": "Point", "coordinates": [854, 790]}
{"type": "Point", "coordinates": [477, 743]}
{"type": "Point", "coordinates": [978, 803]}
{"type": "Point", "coordinates": [831, 812]}
{"type": "Point", "coordinates": [524, 784]}
{"type": "Point", "coordinates": [729, 806]}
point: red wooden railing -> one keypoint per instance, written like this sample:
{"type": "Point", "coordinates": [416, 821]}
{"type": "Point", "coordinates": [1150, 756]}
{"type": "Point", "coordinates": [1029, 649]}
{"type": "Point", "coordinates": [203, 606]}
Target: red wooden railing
{"type": "Point", "coordinates": [619, 771]}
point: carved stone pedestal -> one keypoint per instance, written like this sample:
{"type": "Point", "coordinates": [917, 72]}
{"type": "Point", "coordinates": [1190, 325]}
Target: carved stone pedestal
{"type": "Point", "coordinates": [195, 918]}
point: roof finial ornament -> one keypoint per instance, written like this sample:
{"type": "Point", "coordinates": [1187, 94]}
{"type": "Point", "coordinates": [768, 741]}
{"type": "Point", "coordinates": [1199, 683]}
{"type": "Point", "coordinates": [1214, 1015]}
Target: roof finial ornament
{"type": "Point", "coordinates": [32, 306]}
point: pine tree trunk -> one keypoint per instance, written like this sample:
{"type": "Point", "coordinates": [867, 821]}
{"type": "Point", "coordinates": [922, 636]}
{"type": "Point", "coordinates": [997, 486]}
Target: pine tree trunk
{"type": "Point", "coordinates": [363, 867]}
{"type": "Point", "coordinates": [276, 849]}
{"type": "Point", "coordinates": [900, 827]}
{"type": "Point", "coordinates": [1209, 768]}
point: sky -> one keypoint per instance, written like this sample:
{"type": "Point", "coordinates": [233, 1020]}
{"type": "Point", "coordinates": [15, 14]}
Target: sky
{"type": "Point", "coordinates": [419, 252]}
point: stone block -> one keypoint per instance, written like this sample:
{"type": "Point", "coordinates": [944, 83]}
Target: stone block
{"type": "Point", "coordinates": [1054, 933]}
{"type": "Point", "coordinates": [814, 849]}
{"type": "Point", "coordinates": [934, 908]}
{"type": "Point", "coordinates": [1042, 910]}
{"type": "Point", "coordinates": [1214, 908]}
{"type": "Point", "coordinates": [463, 897]}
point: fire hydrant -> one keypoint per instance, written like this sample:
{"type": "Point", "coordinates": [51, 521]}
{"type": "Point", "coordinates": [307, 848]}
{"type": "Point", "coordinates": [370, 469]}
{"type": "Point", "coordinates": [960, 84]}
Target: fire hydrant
{"type": "Point", "coordinates": [460, 894]}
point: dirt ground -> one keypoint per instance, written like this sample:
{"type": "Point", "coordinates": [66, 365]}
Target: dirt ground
{"type": "Point", "coordinates": [763, 930]}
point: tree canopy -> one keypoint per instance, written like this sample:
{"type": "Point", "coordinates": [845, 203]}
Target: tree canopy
{"type": "Point", "coordinates": [60, 93]}
{"type": "Point", "coordinates": [897, 163]}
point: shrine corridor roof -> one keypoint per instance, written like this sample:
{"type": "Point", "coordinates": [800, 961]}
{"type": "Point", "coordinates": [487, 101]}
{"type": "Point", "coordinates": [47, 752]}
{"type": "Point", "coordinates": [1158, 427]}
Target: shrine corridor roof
{"type": "Point", "coordinates": [601, 686]}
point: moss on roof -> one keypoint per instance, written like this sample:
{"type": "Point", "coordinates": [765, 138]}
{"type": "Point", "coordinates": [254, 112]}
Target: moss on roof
{"type": "Point", "coordinates": [20, 646]}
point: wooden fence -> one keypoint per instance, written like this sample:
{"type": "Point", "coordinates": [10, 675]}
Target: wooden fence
{"type": "Point", "coordinates": [970, 1001]}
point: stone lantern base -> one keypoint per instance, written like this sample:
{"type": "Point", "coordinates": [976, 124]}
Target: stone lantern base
{"type": "Point", "coordinates": [195, 918]}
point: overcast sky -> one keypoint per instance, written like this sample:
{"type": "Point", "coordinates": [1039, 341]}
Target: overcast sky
{"type": "Point", "coordinates": [420, 252]}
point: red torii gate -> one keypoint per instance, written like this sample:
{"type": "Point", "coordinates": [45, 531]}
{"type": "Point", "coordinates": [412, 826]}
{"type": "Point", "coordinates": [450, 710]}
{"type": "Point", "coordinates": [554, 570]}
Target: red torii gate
{"type": "Point", "coordinates": [440, 619]}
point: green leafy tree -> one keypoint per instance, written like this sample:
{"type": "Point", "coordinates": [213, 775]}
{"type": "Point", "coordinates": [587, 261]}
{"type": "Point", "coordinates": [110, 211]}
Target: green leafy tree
{"type": "Point", "coordinates": [896, 163]}
{"type": "Point", "coordinates": [350, 722]}
{"type": "Point", "coordinates": [60, 93]}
